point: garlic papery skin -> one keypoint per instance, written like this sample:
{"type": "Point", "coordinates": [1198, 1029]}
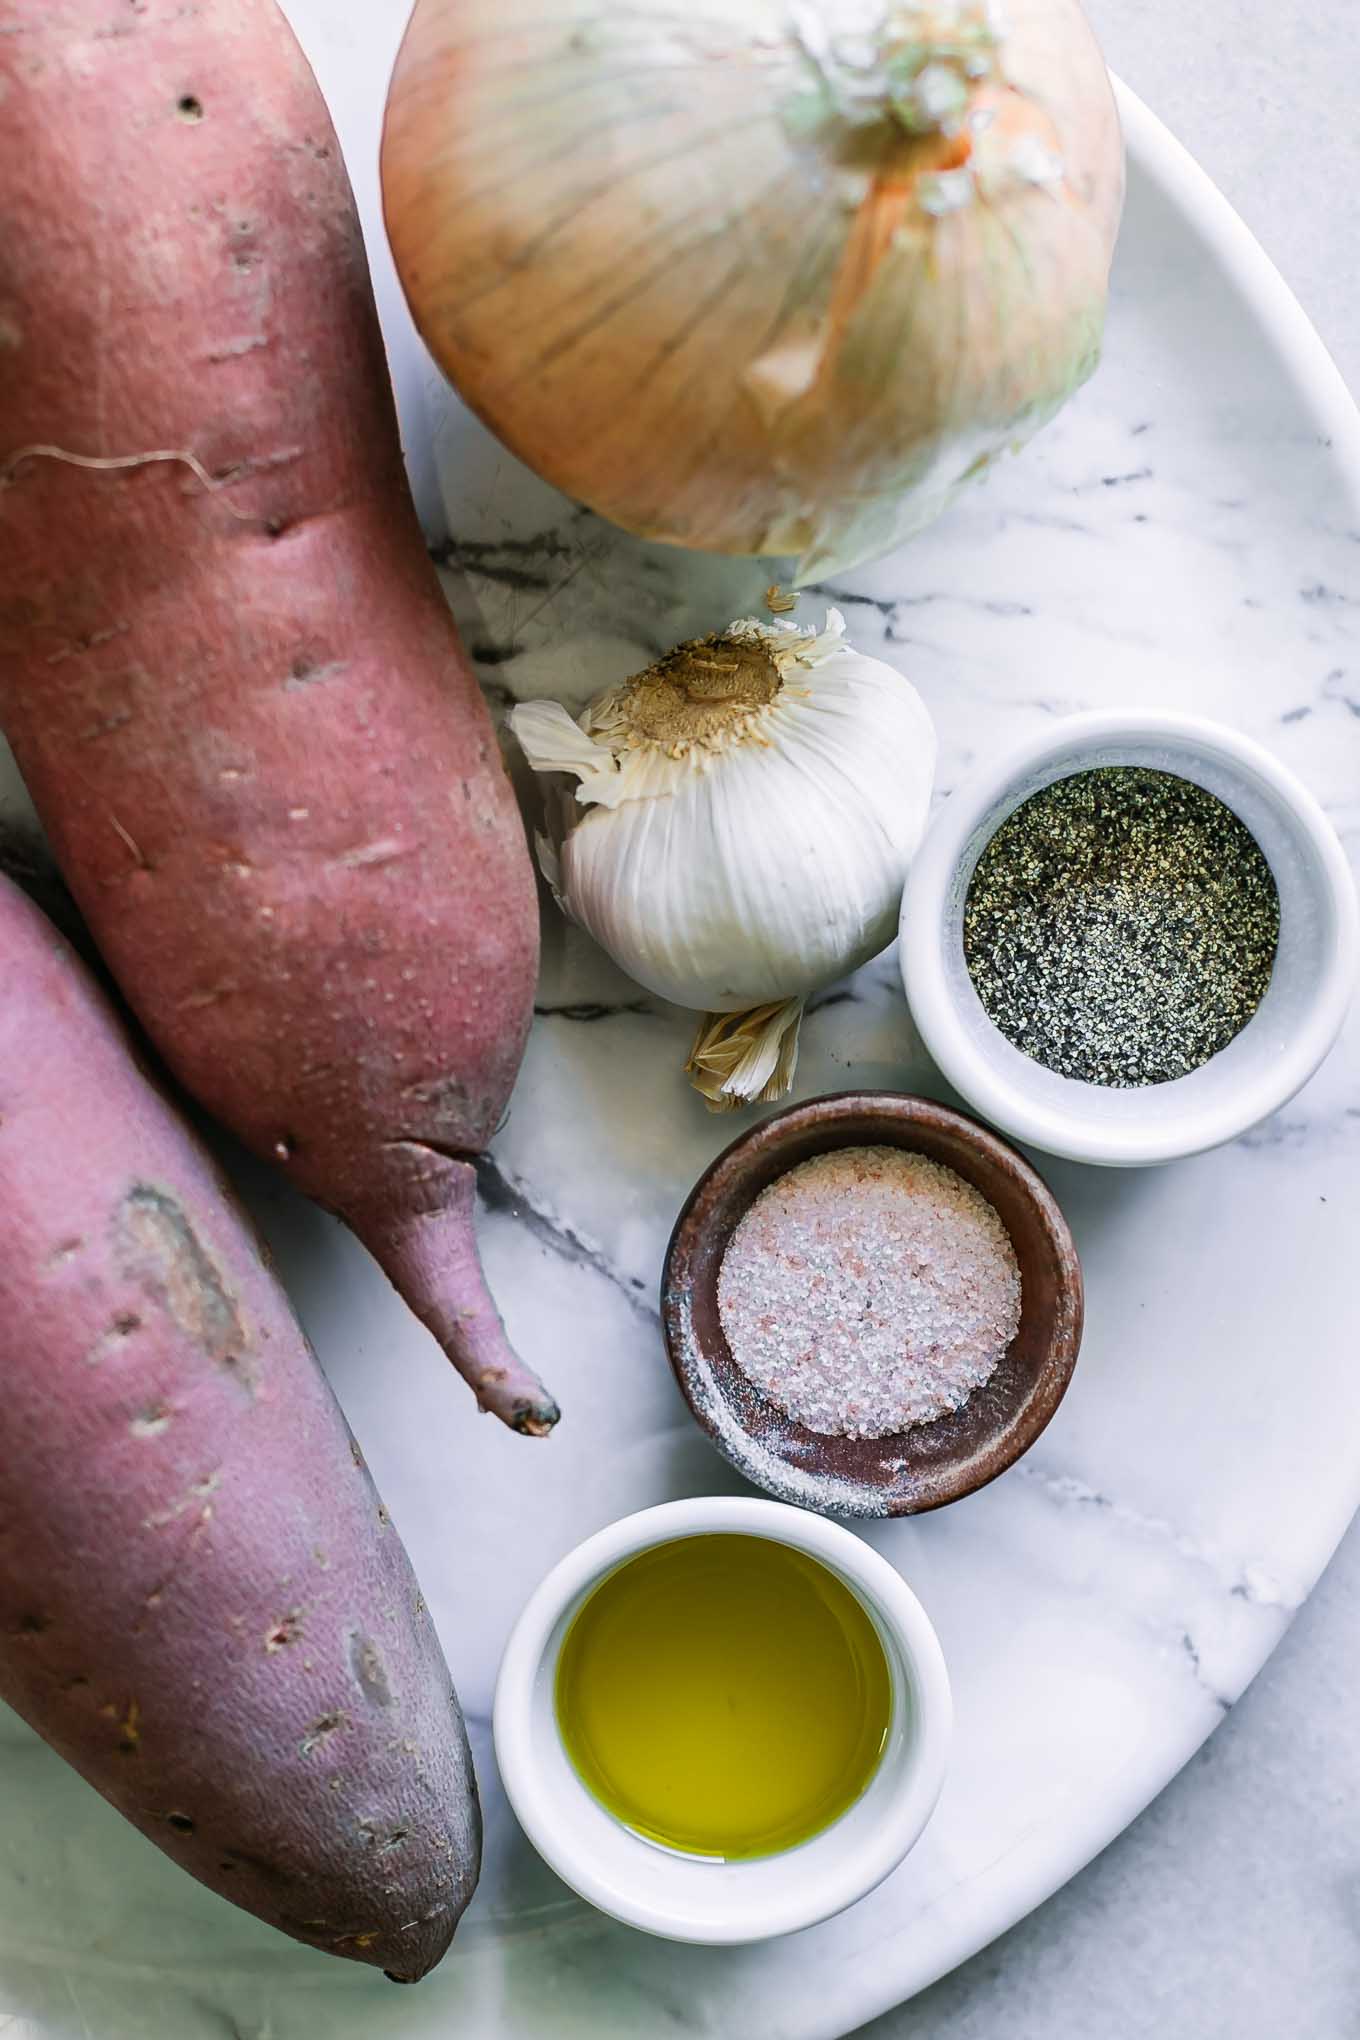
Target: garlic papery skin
{"type": "Point", "coordinates": [744, 818]}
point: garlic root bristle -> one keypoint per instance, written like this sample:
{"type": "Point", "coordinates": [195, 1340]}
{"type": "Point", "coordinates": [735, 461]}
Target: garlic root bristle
{"type": "Point", "coordinates": [746, 1058]}
{"type": "Point", "coordinates": [704, 693]}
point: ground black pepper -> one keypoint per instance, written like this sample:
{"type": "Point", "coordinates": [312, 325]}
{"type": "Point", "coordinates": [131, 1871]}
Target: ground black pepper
{"type": "Point", "coordinates": [1121, 926]}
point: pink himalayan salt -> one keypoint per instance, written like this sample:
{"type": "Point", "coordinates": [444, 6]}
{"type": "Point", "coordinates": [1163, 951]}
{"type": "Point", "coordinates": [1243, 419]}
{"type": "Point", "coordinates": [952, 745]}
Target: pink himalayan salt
{"type": "Point", "coordinates": [869, 1289]}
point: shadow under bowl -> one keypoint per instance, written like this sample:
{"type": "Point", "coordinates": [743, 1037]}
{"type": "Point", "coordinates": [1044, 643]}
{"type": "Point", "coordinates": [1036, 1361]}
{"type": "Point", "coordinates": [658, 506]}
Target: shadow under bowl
{"type": "Point", "coordinates": [928, 1464]}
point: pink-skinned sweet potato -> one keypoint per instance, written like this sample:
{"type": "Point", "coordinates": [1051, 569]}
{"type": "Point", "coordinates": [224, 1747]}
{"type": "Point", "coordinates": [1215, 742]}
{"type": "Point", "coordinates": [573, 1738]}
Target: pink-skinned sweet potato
{"type": "Point", "coordinates": [203, 1605]}
{"type": "Point", "coordinates": [226, 666]}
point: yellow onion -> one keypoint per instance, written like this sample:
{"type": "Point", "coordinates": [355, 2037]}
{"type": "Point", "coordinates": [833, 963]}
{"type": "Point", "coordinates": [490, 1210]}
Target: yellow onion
{"type": "Point", "coordinates": [756, 276]}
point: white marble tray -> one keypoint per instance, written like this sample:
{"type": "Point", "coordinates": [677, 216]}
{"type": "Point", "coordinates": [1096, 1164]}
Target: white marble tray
{"type": "Point", "coordinates": [1188, 533]}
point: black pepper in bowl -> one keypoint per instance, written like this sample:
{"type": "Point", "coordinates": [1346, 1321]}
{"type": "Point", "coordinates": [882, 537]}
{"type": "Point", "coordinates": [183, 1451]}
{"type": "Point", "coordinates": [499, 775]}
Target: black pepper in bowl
{"type": "Point", "coordinates": [1121, 926]}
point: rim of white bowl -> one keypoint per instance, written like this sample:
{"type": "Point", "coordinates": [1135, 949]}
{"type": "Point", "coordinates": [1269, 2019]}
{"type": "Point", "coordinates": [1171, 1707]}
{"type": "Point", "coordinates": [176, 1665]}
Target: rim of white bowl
{"type": "Point", "coordinates": [889, 1599]}
{"type": "Point", "coordinates": [1008, 1104]}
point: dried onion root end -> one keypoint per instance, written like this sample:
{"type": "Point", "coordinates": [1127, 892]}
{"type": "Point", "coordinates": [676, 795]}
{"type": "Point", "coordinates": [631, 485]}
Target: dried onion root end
{"type": "Point", "coordinates": [746, 1058]}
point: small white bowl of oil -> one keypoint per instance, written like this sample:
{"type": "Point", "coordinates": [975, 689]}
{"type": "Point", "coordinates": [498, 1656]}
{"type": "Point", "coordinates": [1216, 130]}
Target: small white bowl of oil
{"type": "Point", "coordinates": [723, 1719]}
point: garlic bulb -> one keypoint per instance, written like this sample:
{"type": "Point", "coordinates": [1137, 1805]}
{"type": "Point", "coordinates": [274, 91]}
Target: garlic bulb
{"type": "Point", "coordinates": [770, 276]}
{"type": "Point", "coordinates": [745, 815]}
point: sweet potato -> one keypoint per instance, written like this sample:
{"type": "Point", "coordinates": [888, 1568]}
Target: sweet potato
{"type": "Point", "coordinates": [203, 1605]}
{"type": "Point", "coordinates": [226, 666]}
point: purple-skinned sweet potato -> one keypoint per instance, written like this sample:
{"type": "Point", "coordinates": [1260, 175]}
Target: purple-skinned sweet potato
{"type": "Point", "coordinates": [226, 666]}
{"type": "Point", "coordinates": [203, 1605]}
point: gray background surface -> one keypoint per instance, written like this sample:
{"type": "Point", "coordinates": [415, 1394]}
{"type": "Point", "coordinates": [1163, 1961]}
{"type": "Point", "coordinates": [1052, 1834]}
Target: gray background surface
{"type": "Point", "coordinates": [1231, 1910]}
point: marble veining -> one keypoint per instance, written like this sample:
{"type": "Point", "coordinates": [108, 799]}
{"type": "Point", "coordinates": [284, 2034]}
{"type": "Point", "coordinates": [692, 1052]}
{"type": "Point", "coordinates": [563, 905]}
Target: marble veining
{"type": "Point", "coordinates": [1181, 535]}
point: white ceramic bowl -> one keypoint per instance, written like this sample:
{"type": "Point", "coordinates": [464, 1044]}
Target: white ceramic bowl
{"type": "Point", "coordinates": [1281, 1045]}
{"type": "Point", "coordinates": [686, 1898]}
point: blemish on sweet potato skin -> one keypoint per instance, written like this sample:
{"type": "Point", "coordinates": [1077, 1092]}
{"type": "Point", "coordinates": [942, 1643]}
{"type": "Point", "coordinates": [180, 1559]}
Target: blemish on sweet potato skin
{"type": "Point", "coordinates": [160, 1249]}
{"type": "Point", "coordinates": [283, 1632]}
{"type": "Point", "coordinates": [130, 1731]}
{"type": "Point", "coordinates": [120, 1327]}
{"type": "Point", "coordinates": [359, 1941]}
{"type": "Point", "coordinates": [196, 1497]}
{"type": "Point", "coordinates": [152, 1422]}
{"type": "Point", "coordinates": [31, 1623]}
{"type": "Point", "coordinates": [370, 1671]}
{"type": "Point", "coordinates": [320, 1732]}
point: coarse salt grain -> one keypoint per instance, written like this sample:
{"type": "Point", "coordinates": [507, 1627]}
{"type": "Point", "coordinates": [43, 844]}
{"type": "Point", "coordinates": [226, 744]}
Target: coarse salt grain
{"type": "Point", "coordinates": [867, 1290]}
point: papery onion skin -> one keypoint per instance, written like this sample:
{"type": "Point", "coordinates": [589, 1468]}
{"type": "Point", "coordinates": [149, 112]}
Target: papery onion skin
{"type": "Point", "coordinates": [697, 281]}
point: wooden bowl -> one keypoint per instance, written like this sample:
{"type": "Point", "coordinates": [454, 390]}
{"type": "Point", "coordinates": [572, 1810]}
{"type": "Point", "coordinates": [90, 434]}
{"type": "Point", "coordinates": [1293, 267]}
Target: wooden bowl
{"type": "Point", "coordinates": [928, 1464]}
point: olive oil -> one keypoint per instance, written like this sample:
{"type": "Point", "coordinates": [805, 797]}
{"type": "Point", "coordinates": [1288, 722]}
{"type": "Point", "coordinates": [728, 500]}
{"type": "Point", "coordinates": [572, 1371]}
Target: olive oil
{"type": "Point", "coordinates": [724, 1696]}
